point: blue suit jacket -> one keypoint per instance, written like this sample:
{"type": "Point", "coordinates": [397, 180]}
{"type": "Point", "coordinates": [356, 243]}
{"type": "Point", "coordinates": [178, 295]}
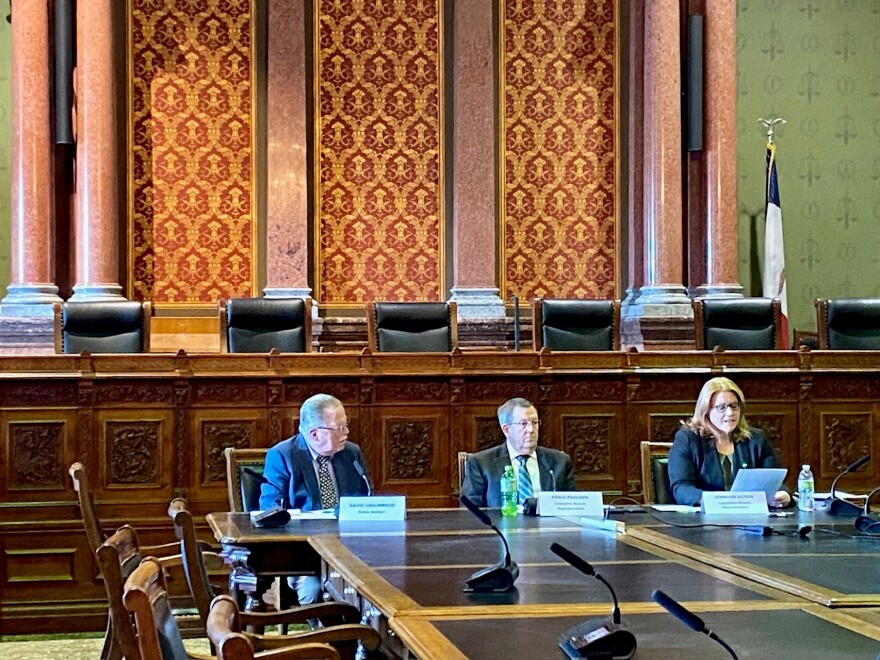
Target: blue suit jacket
{"type": "Point", "coordinates": [290, 475]}
{"type": "Point", "coordinates": [694, 464]}
{"type": "Point", "coordinates": [482, 482]}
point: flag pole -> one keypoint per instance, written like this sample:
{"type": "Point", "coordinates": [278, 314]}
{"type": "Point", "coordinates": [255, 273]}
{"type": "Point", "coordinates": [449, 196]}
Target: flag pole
{"type": "Point", "coordinates": [769, 124]}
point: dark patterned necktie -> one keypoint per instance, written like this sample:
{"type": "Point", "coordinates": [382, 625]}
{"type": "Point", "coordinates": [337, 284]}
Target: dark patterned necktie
{"type": "Point", "coordinates": [726, 471]}
{"type": "Point", "coordinates": [524, 481]}
{"type": "Point", "coordinates": [329, 500]}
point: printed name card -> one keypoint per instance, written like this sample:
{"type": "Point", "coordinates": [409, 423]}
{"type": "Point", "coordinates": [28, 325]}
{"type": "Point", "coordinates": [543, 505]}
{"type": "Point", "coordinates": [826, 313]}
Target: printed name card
{"type": "Point", "coordinates": [571, 504]}
{"type": "Point", "coordinates": [722, 502]}
{"type": "Point", "coordinates": [378, 508]}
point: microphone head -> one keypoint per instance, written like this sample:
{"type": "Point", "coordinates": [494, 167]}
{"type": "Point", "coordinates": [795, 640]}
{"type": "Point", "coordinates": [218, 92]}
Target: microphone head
{"type": "Point", "coordinates": [581, 564]}
{"type": "Point", "coordinates": [859, 463]}
{"type": "Point", "coordinates": [359, 469]}
{"type": "Point", "coordinates": [687, 617]}
{"type": "Point", "coordinates": [474, 509]}
{"type": "Point", "coordinates": [804, 530]}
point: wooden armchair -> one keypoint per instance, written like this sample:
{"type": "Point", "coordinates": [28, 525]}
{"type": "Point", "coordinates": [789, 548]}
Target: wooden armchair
{"type": "Point", "coordinates": [224, 631]}
{"type": "Point", "coordinates": [340, 620]}
{"type": "Point", "coordinates": [655, 472]}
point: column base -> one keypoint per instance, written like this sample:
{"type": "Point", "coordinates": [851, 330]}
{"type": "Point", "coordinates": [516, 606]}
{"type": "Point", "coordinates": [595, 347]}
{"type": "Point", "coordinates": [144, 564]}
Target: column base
{"type": "Point", "coordinates": [477, 302]}
{"type": "Point", "coordinates": [24, 300]}
{"type": "Point", "coordinates": [719, 291]}
{"type": "Point", "coordinates": [292, 292]}
{"type": "Point", "coordinates": [97, 293]}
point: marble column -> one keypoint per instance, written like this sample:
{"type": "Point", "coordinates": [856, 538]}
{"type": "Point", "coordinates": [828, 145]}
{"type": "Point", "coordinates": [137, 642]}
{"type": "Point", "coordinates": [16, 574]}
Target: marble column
{"type": "Point", "coordinates": [636, 150]}
{"type": "Point", "coordinates": [32, 289]}
{"type": "Point", "coordinates": [96, 232]}
{"type": "Point", "coordinates": [287, 249]}
{"type": "Point", "coordinates": [473, 171]}
{"type": "Point", "coordinates": [663, 293]}
{"type": "Point", "coordinates": [719, 154]}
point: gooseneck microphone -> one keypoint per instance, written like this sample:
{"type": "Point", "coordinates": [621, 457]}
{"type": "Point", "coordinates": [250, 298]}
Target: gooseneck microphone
{"type": "Point", "coordinates": [499, 577]}
{"type": "Point", "coordinates": [688, 618]}
{"type": "Point", "coordinates": [360, 470]}
{"type": "Point", "coordinates": [592, 638]}
{"type": "Point", "coordinates": [553, 478]}
{"type": "Point", "coordinates": [838, 506]}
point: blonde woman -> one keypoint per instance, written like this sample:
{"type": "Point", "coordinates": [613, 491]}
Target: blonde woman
{"type": "Point", "coordinates": [715, 443]}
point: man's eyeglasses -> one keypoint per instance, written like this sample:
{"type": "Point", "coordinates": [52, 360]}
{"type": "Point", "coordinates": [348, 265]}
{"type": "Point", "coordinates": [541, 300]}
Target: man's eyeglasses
{"type": "Point", "coordinates": [722, 407]}
{"type": "Point", "coordinates": [334, 429]}
{"type": "Point", "coordinates": [527, 423]}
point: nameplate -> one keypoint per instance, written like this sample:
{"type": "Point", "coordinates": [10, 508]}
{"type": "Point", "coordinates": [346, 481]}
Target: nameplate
{"type": "Point", "coordinates": [723, 502]}
{"type": "Point", "coordinates": [378, 508]}
{"type": "Point", "coordinates": [564, 504]}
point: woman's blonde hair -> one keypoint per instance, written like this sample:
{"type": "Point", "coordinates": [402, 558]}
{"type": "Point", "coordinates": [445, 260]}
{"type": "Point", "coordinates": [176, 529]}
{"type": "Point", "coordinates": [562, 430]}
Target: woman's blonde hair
{"type": "Point", "coordinates": [700, 421]}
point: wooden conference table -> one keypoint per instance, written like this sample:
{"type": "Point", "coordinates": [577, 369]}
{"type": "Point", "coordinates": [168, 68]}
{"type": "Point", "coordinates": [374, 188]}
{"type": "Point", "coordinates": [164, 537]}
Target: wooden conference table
{"type": "Point", "coordinates": [407, 579]}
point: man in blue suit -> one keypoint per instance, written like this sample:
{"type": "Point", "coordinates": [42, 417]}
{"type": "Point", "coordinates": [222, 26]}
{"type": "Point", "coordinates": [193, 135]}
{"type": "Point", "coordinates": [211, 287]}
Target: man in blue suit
{"type": "Point", "coordinates": [313, 469]}
{"type": "Point", "coordinates": [547, 469]}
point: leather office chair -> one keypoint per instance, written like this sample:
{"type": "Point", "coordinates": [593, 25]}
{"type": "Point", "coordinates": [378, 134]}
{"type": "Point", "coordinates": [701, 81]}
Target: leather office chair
{"type": "Point", "coordinates": [576, 325]}
{"type": "Point", "coordinates": [851, 324]}
{"type": "Point", "coordinates": [412, 327]}
{"type": "Point", "coordinates": [242, 481]}
{"type": "Point", "coordinates": [102, 327]}
{"type": "Point", "coordinates": [655, 472]}
{"type": "Point", "coordinates": [738, 324]}
{"type": "Point", "coordinates": [257, 325]}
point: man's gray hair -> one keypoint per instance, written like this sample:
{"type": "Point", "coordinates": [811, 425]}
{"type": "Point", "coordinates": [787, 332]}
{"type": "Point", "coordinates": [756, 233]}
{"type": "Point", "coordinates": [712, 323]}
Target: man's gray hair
{"type": "Point", "coordinates": [311, 414]}
{"type": "Point", "coordinates": [505, 410]}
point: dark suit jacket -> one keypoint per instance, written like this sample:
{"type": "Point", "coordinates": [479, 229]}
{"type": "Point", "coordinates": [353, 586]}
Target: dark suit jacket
{"type": "Point", "coordinates": [482, 482]}
{"type": "Point", "coordinates": [694, 464]}
{"type": "Point", "coordinates": [290, 474]}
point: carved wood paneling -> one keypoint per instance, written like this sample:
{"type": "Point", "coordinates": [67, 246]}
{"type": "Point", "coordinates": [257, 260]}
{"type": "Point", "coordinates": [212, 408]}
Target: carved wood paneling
{"type": "Point", "coordinates": [229, 393]}
{"type": "Point", "coordinates": [412, 391]}
{"type": "Point", "coordinates": [145, 393]}
{"type": "Point", "coordinates": [865, 387]}
{"type": "Point", "coordinates": [773, 427]}
{"type": "Point", "coordinates": [664, 427]}
{"type": "Point", "coordinates": [588, 441]}
{"type": "Point", "coordinates": [588, 390]}
{"type": "Point", "coordinates": [410, 447]}
{"type": "Point", "coordinates": [500, 390]}
{"type": "Point", "coordinates": [297, 392]}
{"type": "Point", "coordinates": [134, 453]}
{"type": "Point", "coordinates": [44, 394]}
{"type": "Point", "coordinates": [489, 433]}
{"type": "Point", "coordinates": [217, 435]}
{"type": "Point", "coordinates": [33, 567]}
{"type": "Point", "coordinates": [36, 455]}
{"type": "Point", "coordinates": [845, 437]}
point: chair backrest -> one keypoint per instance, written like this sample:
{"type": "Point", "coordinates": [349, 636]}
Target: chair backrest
{"type": "Point", "coordinates": [191, 555]}
{"type": "Point", "coordinates": [412, 327]}
{"type": "Point", "coordinates": [146, 597]}
{"type": "Point", "coordinates": [117, 558]}
{"type": "Point", "coordinates": [849, 324]}
{"type": "Point", "coordinates": [224, 631]}
{"type": "Point", "coordinates": [242, 466]}
{"type": "Point", "coordinates": [80, 479]}
{"type": "Point", "coordinates": [102, 327]}
{"type": "Point", "coordinates": [257, 325]}
{"type": "Point", "coordinates": [738, 324]}
{"type": "Point", "coordinates": [462, 469]}
{"type": "Point", "coordinates": [576, 325]}
{"type": "Point", "coordinates": [655, 472]}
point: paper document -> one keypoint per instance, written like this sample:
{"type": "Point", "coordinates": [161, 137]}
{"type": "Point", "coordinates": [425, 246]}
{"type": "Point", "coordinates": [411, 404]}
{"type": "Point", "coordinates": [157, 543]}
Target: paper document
{"type": "Point", "coordinates": [675, 508]}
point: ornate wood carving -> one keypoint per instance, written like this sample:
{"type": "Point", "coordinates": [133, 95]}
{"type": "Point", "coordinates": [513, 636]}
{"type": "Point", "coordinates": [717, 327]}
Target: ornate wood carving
{"type": "Point", "coordinates": [845, 437]}
{"type": "Point", "coordinates": [489, 433]}
{"type": "Point", "coordinates": [412, 390]}
{"type": "Point", "coordinates": [227, 393]}
{"type": "Point", "coordinates": [297, 392]}
{"type": "Point", "coordinates": [181, 400]}
{"type": "Point", "coordinates": [85, 419]}
{"type": "Point", "coordinates": [588, 441]}
{"type": "Point", "coordinates": [216, 436]}
{"type": "Point", "coordinates": [134, 452]}
{"type": "Point", "coordinates": [866, 387]}
{"type": "Point", "coordinates": [140, 392]}
{"type": "Point", "coordinates": [664, 427]}
{"type": "Point", "coordinates": [588, 390]}
{"type": "Point", "coordinates": [25, 394]}
{"type": "Point", "coordinates": [36, 452]}
{"type": "Point", "coordinates": [410, 447]}
{"type": "Point", "coordinates": [772, 426]}
{"type": "Point", "coordinates": [500, 390]}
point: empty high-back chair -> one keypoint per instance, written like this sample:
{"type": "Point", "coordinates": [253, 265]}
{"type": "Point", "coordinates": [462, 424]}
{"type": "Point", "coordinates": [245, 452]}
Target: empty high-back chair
{"type": "Point", "coordinates": [738, 324]}
{"type": "Point", "coordinates": [257, 325]}
{"type": "Point", "coordinates": [849, 324]}
{"type": "Point", "coordinates": [412, 327]}
{"type": "Point", "coordinates": [102, 327]}
{"type": "Point", "coordinates": [576, 325]}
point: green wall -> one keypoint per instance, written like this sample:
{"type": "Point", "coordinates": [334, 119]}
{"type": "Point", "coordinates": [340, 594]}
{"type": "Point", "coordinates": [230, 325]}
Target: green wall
{"type": "Point", "coordinates": [816, 63]}
{"type": "Point", "coordinates": [5, 148]}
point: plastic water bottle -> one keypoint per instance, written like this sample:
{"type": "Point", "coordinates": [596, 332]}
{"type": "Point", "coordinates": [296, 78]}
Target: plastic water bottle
{"type": "Point", "coordinates": [806, 489]}
{"type": "Point", "coordinates": [508, 492]}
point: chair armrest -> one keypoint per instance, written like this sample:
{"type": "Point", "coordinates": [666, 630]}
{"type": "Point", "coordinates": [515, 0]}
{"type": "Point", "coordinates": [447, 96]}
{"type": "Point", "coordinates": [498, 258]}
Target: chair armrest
{"type": "Point", "coordinates": [164, 550]}
{"type": "Point", "coordinates": [302, 652]}
{"type": "Point", "coordinates": [327, 613]}
{"type": "Point", "coordinates": [348, 632]}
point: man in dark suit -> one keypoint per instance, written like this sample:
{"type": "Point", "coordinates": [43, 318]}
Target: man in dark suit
{"type": "Point", "coordinates": [541, 468]}
{"type": "Point", "coordinates": [313, 469]}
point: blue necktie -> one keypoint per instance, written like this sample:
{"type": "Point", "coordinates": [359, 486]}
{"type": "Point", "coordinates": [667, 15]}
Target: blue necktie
{"type": "Point", "coordinates": [524, 481]}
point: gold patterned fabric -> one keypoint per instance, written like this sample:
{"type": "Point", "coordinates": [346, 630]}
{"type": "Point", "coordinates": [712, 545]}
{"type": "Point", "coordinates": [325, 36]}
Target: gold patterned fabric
{"type": "Point", "coordinates": [559, 146]}
{"type": "Point", "coordinates": [378, 226]}
{"type": "Point", "coordinates": [191, 161]}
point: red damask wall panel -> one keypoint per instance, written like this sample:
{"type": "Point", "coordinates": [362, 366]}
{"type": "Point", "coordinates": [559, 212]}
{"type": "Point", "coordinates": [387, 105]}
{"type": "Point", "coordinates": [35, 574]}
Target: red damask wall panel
{"type": "Point", "coordinates": [378, 87]}
{"type": "Point", "coordinates": [559, 149]}
{"type": "Point", "coordinates": [191, 192]}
